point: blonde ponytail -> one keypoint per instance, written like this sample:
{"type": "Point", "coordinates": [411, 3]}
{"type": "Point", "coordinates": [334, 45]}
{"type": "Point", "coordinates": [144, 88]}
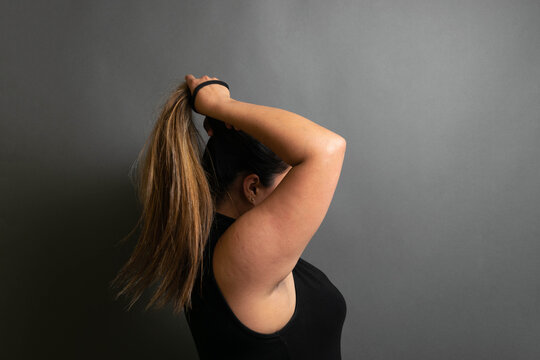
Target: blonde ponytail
{"type": "Point", "coordinates": [177, 210]}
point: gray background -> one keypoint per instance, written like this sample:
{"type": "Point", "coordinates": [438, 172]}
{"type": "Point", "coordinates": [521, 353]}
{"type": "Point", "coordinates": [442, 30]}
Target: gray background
{"type": "Point", "coordinates": [433, 234]}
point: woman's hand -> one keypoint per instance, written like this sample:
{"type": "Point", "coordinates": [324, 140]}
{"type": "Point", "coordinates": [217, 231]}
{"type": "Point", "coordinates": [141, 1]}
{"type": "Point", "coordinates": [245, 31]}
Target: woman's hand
{"type": "Point", "coordinates": [208, 96]}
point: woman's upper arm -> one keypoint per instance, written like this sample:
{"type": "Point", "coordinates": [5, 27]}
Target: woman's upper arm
{"type": "Point", "coordinates": [264, 244]}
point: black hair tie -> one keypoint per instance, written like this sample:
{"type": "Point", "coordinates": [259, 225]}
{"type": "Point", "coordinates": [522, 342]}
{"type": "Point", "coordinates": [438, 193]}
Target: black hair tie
{"type": "Point", "coordinates": [200, 86]}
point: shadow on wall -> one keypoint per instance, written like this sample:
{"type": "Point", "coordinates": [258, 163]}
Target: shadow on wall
{"type": "Point", "coordinates": [67, 229]}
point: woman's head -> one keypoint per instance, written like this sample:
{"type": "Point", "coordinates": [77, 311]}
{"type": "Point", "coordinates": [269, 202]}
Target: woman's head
{"type": "Point", "coordinates": [237, 163]}
{"type": "Point", "coordinates": [179, 187]}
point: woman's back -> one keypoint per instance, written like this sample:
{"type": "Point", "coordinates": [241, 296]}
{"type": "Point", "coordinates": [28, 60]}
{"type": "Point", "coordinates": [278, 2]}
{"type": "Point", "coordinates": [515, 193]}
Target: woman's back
{"type": "Point", "coordinates": [313, 331]}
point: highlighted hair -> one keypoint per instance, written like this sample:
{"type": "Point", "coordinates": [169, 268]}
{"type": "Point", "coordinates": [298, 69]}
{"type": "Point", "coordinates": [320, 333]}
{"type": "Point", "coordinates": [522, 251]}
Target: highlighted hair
{"type": "Point", "coordinates": [179, 187]}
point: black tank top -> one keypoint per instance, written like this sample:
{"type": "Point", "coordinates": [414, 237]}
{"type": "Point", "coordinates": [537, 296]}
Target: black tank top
{"type": "Point", "coordinates": [313, 332]}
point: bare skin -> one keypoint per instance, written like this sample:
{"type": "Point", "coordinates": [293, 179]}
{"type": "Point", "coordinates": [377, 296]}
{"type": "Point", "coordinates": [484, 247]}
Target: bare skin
{"type": "Point", "coordinates": [245, 193]}
{"type": "Point", "coordinates": [254, 258]}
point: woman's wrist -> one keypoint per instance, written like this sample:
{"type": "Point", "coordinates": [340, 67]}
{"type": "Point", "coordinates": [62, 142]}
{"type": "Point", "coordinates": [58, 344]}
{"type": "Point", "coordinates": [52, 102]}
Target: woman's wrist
{"type": "Point", "coordinates": [220, 109]}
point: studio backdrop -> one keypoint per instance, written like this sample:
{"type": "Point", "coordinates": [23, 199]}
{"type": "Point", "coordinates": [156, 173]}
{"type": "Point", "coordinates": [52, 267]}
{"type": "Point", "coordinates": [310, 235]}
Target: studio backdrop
{"type": "Point", "coordinates": [433, 234]}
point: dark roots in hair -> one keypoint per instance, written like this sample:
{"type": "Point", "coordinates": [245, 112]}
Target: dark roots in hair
{"type": "Point", "coordinates": [231, 152]}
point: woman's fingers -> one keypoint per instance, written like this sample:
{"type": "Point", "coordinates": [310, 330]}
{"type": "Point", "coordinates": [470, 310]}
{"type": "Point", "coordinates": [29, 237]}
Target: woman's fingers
{"type": "Point", "coordinates": [229, 126]}
{"type": "Point", "coordinates": [207, 127]}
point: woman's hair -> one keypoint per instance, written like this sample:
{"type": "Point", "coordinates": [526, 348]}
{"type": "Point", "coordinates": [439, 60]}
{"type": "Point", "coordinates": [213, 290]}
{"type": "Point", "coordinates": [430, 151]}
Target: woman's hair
{"type": "Point", "coordinates": [178, 189]}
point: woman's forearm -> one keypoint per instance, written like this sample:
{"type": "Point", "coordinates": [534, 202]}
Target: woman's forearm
{"type": "Point", "coordinates": [291, 136]}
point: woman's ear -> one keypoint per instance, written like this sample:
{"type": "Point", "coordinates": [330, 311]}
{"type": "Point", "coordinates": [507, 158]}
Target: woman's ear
{"type": "Point", "coordinates": [251, 187]}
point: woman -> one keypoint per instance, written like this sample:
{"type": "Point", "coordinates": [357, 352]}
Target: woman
{"type": "Point", "coordinates": [235, 222]}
